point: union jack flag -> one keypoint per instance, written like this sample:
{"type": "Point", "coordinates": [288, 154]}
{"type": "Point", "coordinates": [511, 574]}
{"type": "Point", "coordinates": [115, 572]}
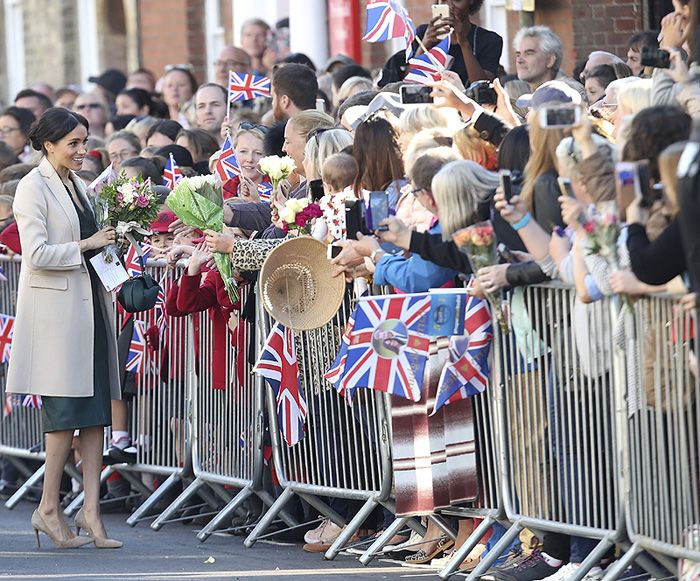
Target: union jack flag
{"type": "Point", "coordinates": [265, 191]}
{"type": "Point", "coordinates": [244, 87]}
{"type": "Point", "coordinates": [389, 345]}
{"type": "Point", "coordinates": [137, 348]}
{"type": "Point", "coordinates": [132, 264]}
{"type": "Point", "coordinates": [227, 166]}
{"type": "Point", "coordinates": [7, 327]}
{"type": "Point", "coordinates": [31, 401]}
{"type": "Point", "coordinates": [426, 68]}
{"type": "Point", "coordinates": [279, 366]}
{"type": "Point", "coordinates": [161, 318]}
{"type": "Point", "coordinates": [171, 173]}
{"type": "Point", "coordinates": [334, 375]}
{"type": "Point", "coordinates": [468, 371]}
{"type": "Point", "coordinates": [387, 19]}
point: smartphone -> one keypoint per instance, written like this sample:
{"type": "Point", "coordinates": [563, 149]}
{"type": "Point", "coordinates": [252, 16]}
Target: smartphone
{"type": "Point", "coordinates": [482, 92]}
{"type": "Point", "coordinates": [378, 211]}
{"type": "Point", "coordinates": [657, 58]}
{"type": "Point", "coordinates": [355, 219]}
{"type": "Point", "coordinates": [626, 183]}
{"type": "Point", "coordinates": [559, 116]}
{"type": "Point", "coordinates": [506, 184]}
{"type": "Point", "coordinates": [565, 187]}
{"type": "Point", "coordinates": [416, 94]}
{"type": "Point", "coordinates": [506, 253]}
{"type": "Point", "coordinates": [332, 251]}
{"type": "Point", "coordinates": [316, 190]}
{"type": "Point", "coordinates": [647, 193]}
{"type": "Point", "coordinates": [443, 11]}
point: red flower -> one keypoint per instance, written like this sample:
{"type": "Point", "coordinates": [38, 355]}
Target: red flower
{"type": "Point", "coordinates": [300, 219]}
{"type": "Point", "coordinates": [589, 227]}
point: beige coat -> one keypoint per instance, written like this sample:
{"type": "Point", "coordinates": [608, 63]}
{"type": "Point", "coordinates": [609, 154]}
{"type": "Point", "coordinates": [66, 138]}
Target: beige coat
{"type": "Point", "coordinates": [52, 344]}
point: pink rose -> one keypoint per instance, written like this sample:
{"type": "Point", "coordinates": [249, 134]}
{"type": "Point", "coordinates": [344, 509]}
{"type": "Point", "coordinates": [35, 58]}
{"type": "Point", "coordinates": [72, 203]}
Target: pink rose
{"type": "Point", "coordinates": [301, 219]}
{"type": "Point", "coordinates": [314, 211]}
{"type": "Point", "coordinates": [142, 201]}
{"type": "Point", "coordinates": [120, 199]}
{"type": "Point", "coordinates": [589, 227]}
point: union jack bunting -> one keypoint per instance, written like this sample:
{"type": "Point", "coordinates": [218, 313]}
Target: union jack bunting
{"type": "Point", "coordinates": [31, 401]}
{"type": "Point", "coordinates": [7, 326]}
{"type": "Point", "coordinates": [244, 87]}
{"type": "Point", "coordinates": [137, 348]}
{"type": "Point", "coordinates": [468, 371]}
{"type": "Point", "coordinates": [132, 264]}
{"type": "Point", "coordinates": [171, 173]}
{"type": "Point", "coordinates": [387, 19]}
{"type": "Point", "coordinates": [278, 365]}
{"type": "Point", "coordinates": [424, 68]}
{"type": "Point", "coordinates": [389, 345]}
{"type": "Point", "coordinates": [265, 191]}
{"type": "Point", "coordinates": [227, 166]}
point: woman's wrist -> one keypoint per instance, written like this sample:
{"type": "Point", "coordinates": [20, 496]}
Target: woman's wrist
{"type": "Point", "coordinates": [524, 221]}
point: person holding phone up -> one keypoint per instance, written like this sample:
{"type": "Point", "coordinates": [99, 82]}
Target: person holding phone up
{"type": "Point", "coordinates": [476, 51]}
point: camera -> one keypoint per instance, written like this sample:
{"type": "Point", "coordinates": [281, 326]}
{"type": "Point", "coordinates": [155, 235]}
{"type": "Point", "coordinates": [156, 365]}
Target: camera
{"type": "Point", "coordinates": [416, 94]}
{"type": "Point", "coordinates": [482, 92]}
{"type": "Point", "coordinates": [657, 58]}
{"type": "Point", "coordinates": [559, 117]}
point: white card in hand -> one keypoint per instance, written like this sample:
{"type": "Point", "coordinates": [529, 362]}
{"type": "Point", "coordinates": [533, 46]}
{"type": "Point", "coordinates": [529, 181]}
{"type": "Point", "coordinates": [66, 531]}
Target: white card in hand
{"type": "Point", "coordinates": [112, 273]}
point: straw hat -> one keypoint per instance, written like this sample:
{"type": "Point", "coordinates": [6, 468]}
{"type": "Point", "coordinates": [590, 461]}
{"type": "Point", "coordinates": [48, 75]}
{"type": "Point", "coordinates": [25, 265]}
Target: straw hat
{"type": "Point", "coordinates": [297, 286]}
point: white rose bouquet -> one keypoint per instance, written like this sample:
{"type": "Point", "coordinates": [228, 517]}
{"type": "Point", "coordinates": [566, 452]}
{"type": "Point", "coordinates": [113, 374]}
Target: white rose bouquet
{"type": "Point", "coordinates": [276, 168]}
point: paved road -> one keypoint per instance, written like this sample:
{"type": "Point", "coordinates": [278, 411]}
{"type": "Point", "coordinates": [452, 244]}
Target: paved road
{"type": "Point", "coordinates": [172, 553]}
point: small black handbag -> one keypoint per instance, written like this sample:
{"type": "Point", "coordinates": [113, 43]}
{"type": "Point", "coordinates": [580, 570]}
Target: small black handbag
{"type": "Point", "coordinates": [140, 293]}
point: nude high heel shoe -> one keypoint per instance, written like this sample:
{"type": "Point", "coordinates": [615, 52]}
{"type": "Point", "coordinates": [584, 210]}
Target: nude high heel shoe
{"type": "Point", "coordinates": [38, 524]}
{"type": "Point", "coordinates": [100, 542]}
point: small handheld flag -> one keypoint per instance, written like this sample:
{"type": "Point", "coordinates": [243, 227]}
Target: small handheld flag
{"type": "Point", "coordinates": [171, 173]}
{"type": "Point", "coordinates": [227, 166]}
{"type": "Point", "coordinates": [137, 348]}
{"type": "Point", "coordinates": [427, 67]}
{"type": "Point", "coordinates": [245, 87]}
{"type": "Point", "coordinates": [7, 324]}
{"type": "Point", "coordinates": [387, 19]}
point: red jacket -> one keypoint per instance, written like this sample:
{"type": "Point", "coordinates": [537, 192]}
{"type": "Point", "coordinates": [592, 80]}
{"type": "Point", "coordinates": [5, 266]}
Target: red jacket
{"type": "Point", "coordinates": [196, 295]}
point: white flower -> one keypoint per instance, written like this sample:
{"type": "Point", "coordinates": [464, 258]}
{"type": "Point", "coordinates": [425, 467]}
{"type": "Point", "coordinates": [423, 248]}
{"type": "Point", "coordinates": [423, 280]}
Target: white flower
{"type": "Point", "coordinates": [196, 182]}
{"type": "Point", "coordinates": [127, 190]}
{"type": "Point", "coordinates": [288, 215]}
{"type": "Point", "coordinates": [277, 168]}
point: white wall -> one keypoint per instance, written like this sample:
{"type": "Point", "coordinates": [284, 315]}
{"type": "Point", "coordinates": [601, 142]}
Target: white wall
{"type": "Point", "coordinates": [308, 29]}
{"type": "Point", "coordinates": [87, 30]}
{"type": "Point", "coordinates": [14, 47]}
{"type": "Point", "coordinates": [494, 17]}
{"type": "Point", "coordinates": [269, 10]}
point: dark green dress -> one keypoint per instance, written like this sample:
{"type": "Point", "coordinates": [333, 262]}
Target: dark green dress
{"type": "Point", "coordinates": [71, 413]}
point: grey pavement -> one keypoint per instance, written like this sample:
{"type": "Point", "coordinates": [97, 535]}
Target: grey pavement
{"type": "Point", "coordinates": [171, 553]}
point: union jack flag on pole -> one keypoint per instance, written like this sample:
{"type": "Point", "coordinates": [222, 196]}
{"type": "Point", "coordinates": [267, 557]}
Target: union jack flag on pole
{"type": "Point", "coordinates": [265, 192]}
{"type": "Point", "coordinates": [334, 375]}
{"type": "Point", "coordinates": [171, 173]}
{"type": "Point", "coordinates": [387, 19]}
{"type": "Point", "coordinates": [227, 166]}
{"type": "Point", "coordinates": [427, 67]}
{"type": "Point", "coordinates": [137, 348]}
{"type": "Point", "coordinates": [279, 366]}
{"type": "Point", "coordinates": [389, 345]}
{"type": "Point", "coordinates": [244, 87]}
{"type": "Point", "coordinates": [7, 326]}
{"type": "Point", "coordinates": [32, 401]}
{"type": "Point", "coordinates": [9, 404]}
{"type": "Point", "coordinates": [467, 373]}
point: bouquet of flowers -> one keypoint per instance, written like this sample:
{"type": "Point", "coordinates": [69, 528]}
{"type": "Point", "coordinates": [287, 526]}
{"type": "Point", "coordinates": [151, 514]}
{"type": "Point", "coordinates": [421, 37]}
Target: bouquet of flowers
{"type": "Point", "coordinates": [603, 230]}
{"type": "Point", "coordinates": [298, 215]}
{"type": "Point", "coordinates": [276, 169]}
{"type": "Point", "coordinates": [129, 205]}
{"type": "Point", "coordinates": [479, 244]}
{"type": "Point", "coordinates": [199, 203]}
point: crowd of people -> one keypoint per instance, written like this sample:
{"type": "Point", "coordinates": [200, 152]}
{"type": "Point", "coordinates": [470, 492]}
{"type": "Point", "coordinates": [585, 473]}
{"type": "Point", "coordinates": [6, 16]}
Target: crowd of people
{"type": "Point", "coordinates": [349, 134]}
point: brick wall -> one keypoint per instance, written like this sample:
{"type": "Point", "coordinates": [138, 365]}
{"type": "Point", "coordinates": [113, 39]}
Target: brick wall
{"type": "Point", "coordinates": [172, 32]}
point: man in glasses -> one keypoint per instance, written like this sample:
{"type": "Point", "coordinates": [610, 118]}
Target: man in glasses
{"type": "Point", "coordinates": [93, 106]}
{"type": "Point", "coordinates": [231, 58]}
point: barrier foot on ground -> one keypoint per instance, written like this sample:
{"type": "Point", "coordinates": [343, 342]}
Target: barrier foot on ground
{"type": "Point", "coordinates": [25, 488]}
{"type": "Point", "coordinates": [268, 517]}
{"type": "Point", "coordinates": [383, 539]}
{"type": "Point", "coordinates": [499, 548]}
{"type": "Point", "coordinates": [352, 527]}
{"type": "Point", "coordinates": [224, 514]}
{"type": "Point", "coordinates": [152, 500]}
{"type": "Point", "coordinates": [174, 506]}
{"type": "Point", "coordinates": [463, 550]}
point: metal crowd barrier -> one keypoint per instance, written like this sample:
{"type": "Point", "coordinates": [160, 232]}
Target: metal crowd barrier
{"type": "Point", "coordinates": [662, 490]}
{"type": "Point", "coordinates": [345, 452]}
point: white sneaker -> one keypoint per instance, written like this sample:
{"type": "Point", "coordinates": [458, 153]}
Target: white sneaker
{"type": "Point", "coordinates": [324, 534]}
{"type": "Point", "coordinates": [568, 571]}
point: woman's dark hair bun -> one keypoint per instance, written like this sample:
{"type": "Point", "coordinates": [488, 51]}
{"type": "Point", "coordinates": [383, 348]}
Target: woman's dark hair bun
{"type": "Point", "coordinates": [54, 125]}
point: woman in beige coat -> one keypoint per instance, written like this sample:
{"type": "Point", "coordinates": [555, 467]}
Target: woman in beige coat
{"type": "Point", "coordinates": [64, 345]}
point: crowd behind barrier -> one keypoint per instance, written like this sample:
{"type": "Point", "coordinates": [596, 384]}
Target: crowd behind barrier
{"type": "Point", "coordinates": [593, 438]}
